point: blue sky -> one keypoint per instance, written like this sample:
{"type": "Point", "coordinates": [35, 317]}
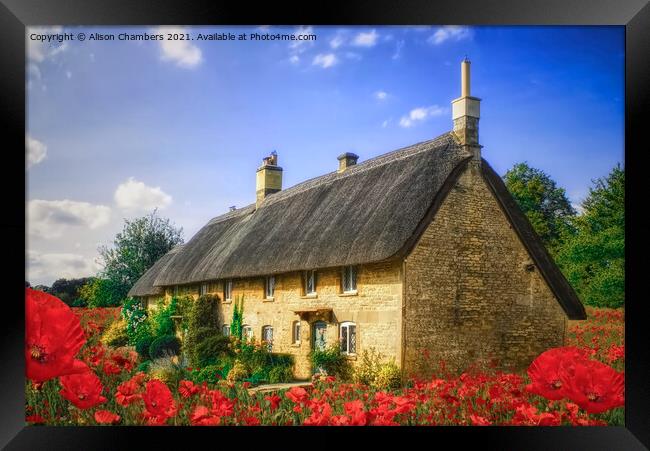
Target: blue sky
{"type": "Point", "coordinates": [116, 128]}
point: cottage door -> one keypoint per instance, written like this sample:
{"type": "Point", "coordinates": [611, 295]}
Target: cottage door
{"type": "Point", "coordinates": [318, 342]}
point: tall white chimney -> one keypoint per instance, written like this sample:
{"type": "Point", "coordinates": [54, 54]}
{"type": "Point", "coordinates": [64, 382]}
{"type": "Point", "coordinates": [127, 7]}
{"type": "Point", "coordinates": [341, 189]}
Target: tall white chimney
{"type": "Point", "coordinates": [466, 111]}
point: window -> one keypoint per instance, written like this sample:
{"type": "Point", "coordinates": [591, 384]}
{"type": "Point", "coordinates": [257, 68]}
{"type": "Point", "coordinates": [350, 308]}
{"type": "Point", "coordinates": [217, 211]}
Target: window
{"type": "Point", "coordinates": [227, 290]}
{"type": "Point", "coordinates": [267, 337]}
{"type": "Point", "coordinates": [310, 282]}
{"type": "Point", "coordinates": [247, 332]}
{"type": "Point", "coordinates": [269, 290]}
{"type": "Point", "coordinates": [295, 332]}
{"type": "Point", "coordinates": [203, 289]}
{"type": "Point", "coordinates": [349, 279]}
{"type": "Point", "coordinates": [348, 338]}
{"type": "Point", "coordinates": [225, 330]}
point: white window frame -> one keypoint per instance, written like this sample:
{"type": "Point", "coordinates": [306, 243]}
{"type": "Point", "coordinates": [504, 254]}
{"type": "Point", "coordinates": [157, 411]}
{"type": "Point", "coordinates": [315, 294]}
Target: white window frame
{"type": "Point", "coordinates": [346, 326]}
{"type": "Point", "coordinates": [245, 327]}
{"type": "Point", "coordinates": [203, 289]}
{"type": "Point", "coordinates": [351, 272]}
{"type": "Point", "coordinates": [269, 344]}
{"type": "Point", "coordinates": [227, 290]}
{"type": "Point", "coordinates": [269, 287]}
{"type": "Point", "coordinates": [311, 274]}
{"type": "Point", "coordinates": [295, 332]}
{"type": "Point", "coordinates": [225, 328]}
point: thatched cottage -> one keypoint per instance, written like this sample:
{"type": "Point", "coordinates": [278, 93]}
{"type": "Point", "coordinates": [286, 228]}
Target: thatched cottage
{"type": "Point", "coordinates": [418, 252]}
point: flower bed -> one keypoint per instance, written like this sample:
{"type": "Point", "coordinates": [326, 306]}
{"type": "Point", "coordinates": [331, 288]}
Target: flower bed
{"type": "Point", "coordinates": [72, 379]}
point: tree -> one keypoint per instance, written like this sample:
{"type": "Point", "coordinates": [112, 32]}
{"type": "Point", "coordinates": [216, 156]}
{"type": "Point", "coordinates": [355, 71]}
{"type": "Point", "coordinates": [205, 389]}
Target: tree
{"type": "Point", "coordinates": [546, 206]}
{"type": "Point", "coordinates": [593, 256]}
{"type": "Point", "coordinates": [100, 293]}
{"type": "Point", "coordinates": [136, 248]}
{"type": "Point", "coordinates": [68, 289]}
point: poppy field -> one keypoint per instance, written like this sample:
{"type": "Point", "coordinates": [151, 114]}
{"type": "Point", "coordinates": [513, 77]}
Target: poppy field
{"type": "Point", "coordinates": [74, 379]}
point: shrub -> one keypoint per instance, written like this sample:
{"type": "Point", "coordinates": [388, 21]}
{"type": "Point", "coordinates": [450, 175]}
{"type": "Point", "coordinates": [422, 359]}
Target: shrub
{"type": "Point", "coordinates": [79, 303]}
{"type": "Point", "coordinates": [212, 373]}
{"type": "Point", "coordinates": [115, 335]}
{"type": "Point", "coordinates": [142, 345]}
{"type": "Point", "coordinates": [202, 323]}
{"type": "Point", "coordinates": [168, 370]}
{"type": "Point", "coordinates": [211, 349]}
{"type": "Point", "coordinates": [144, 366]}
{"type": "Point", "coordinates": [332, 361]}
{"type": "Point", "coordinates": [162, 321]}
{"type": "Point", "coordinates": [279, 374]}
{"type": "Point", "coordinates": [135, 315]}
{"type": "Point", "coordinates": [165, 345]}
{"type": "Point", "coordinates": [238, 372]}
{"type": "Point", "coordinates": [388, 376]}
{"type": "Point", "coordinates": [367, 369]}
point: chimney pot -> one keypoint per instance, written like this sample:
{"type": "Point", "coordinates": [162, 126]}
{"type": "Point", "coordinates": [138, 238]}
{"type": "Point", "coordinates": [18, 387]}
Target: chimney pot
{"type": "Point", "coordinates": [346, 160]}
{"type": "Point", "coordinates": [268, 178]}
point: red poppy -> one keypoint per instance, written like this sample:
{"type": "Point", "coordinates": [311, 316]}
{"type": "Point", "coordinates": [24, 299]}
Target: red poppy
{"type": "Point", "coordinates": [321, 413]}
{"type": "Point", "coordinates": [297, 394]}
{"type": "Point", "coordinates": [110, 367]}
{"type": "Point", "coordinates": [274, 400]}
{"type": "Point", "coordinates": [187, 388]}
{"type": "Point", "coordinates": [596, 387]}
{"type": "Point", "coordinates": [35, 419]}
{"type": "Point", "coordinates": [159, 403]}
{"type": "Point", "coordinates": [53, 336]}
{"type": "Point", "coordinates": [201, 416]}
{"type": "Point", "coordinates": [550, 368]}
{"type": "Point", "coordinates": [83, 390]}
{"type": "Point", "coordinates": [252, 421]}
{"type": "Point", "coordinates": [356, 411]}
{"type": "Point", "coordinates": [106, 417]}
{"type": "Point", "coordinates": [127, 393]}
{"type": "Point", "coordinates": [479, 420]}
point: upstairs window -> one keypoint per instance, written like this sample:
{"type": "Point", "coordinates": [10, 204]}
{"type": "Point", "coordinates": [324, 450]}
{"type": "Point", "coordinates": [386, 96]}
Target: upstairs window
{"type": "Point", "coordinates": [225, 330]}
{"type": "Point", "coordinates": [309, 282]}
{"type": "Point", "coordinates": [247, 332]}
{"type": "Point", "coordinates": [267, 337]}
{"type": "Point", "coordinates": [349, 279]}
{"type": "Point", "coordinates": [227, 290]}
{"type": "Point", "coordinates": [348, 338]}
{"type": "Point", "coordinates": [269, 287]}
{"type": "Point", "coordinates": [296, 332]}
{"type": "Point", "coordinates": [203, 289]}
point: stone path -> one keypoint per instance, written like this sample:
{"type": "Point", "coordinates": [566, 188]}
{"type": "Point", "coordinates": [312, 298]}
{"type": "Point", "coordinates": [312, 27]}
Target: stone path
{"type": "Point", "coordinates": [277, 387]}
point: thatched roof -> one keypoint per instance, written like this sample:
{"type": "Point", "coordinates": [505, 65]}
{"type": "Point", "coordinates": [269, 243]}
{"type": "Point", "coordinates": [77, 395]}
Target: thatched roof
{"type": "Point", "coordinates": [362, 215]}
{"type": "Point", "coordinates": [373, 211]}
{"type": "Point", "coordinates": [144, 286]}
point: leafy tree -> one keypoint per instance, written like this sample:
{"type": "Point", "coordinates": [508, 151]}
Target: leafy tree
{"type": "Point", "coordinates": [68, 290]}
{"type": "Point", "coordinates": [136, 248]}
{"type": "Point", "coordinates": [546, 206]}
{"type": "Point", "coordinates": [593, 256]}
{"type": "Point", "coordinates": [100, 293]}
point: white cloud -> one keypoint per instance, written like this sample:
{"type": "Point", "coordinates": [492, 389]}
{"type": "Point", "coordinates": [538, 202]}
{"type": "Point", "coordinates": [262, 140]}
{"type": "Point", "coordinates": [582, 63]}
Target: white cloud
{"type": "Point", "coordinates": [135, 195]}
{"type": "Point", "coordinates": [353, 56]}
{"type": "Point", "coordinates": [68, 74]}
{"type": "Point", "coordinates": [294, 59]}
{"type": "Point", "coordinates": [183, 53]}
{"type": "Point", "coordinates": [420, 114]}
{"type": "Point", "coordinates": [398, 50]}
{"type": "Point", "coordinates": [337, 41]}
{"type": "Point", "coordinates": [385, 123]}
{"type": "Point", "coordinates": [39, 51]}
{"type": "Point", "coordinates": [51, 218]}
{"type": "Point", "coordinates": [299, 46]}
{"type": "Point", "coordinates": [381, 95]}
{"type": "Point", "coordinates": [325, 60]}
{"type": "Point", "coordinates": [368, 39]}
{"type": "Point", "coordinates": [45, 268]}
{"type": "Point", "coordinates": [36, 151]}
{"type": "Point", "coordinates": [453, 32]}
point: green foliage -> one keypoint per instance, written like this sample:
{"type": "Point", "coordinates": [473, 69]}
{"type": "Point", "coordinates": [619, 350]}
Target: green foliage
{"type": "Point", "coordinates": [168, 370]}
{"type": "Point", "coordinates": [68, 290]}
{"type": "Point", "coordinates": [203, 322]}
{"type": "Point", "coordinates": [212, 349]}
{"type": "Point", "coordinates": [144, 366]}
{"type": "Point", "coordinates": [142, 345]}
{"type": "Point", "coordinates": [212, 373]}
{"type": "Point", "coordinates": [136, 319]}
{"type": "Point", "coordinates": [238, 372]}
{"type": "Point", "coordinates": [164, 346]}
{"type": "Point", "coordinates": [79, 303]}
{"type": "Point", "coordinates": [237, 317]}
{"type": "Point", "coordinates": [115, 335]}
{"type": "Point", "coordinates": [161, 319]}
{"type": "Point", "coordinates": [368, 368]}
{"type": "Point", "coordinates": [136, 248]}
{"type": "Point", "coordinates": [593, 255]}
{"type": "Point", "coordinates": [547, 207]}
{"type": "Point", "coordinates": [280, 374]}
{"type": "Point", "coordinates": [101, 293]}
{"type": "Point", "coordinates": [332, 361]}
{"type": "Point", "coordinates": [388, 376]}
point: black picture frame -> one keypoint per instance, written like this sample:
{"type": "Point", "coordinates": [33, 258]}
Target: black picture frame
{"type": "Point", "coordinates": [15, 15]}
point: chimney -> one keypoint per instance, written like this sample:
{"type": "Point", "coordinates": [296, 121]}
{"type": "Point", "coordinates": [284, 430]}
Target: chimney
{"type": "Point", "coordinates": [268, 178]}
{"type": "Point", "coordinates": [346, 160]}
{"type": "Point", "coordinates": [466, 113]}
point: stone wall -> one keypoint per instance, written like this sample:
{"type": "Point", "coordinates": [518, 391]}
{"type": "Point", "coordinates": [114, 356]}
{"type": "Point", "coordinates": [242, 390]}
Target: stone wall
{"type": "Point", "coordinates": [375, 308]}
{"type": "Point", "coordinates": [472, 293]}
